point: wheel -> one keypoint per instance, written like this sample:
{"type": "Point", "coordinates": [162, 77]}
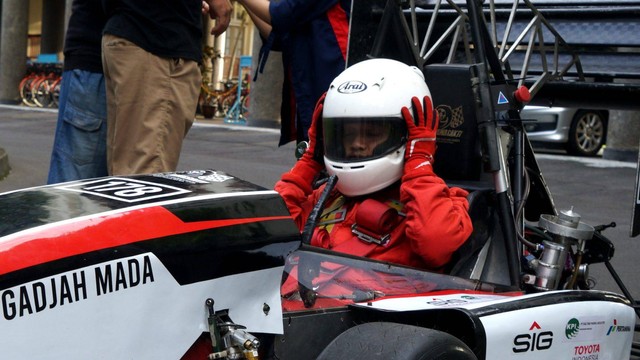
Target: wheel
{"type": "Point", "coordinates": [41, 93]}
{"type": "Point", "coordinates": [26, 92]}
{"type": "Point", "coordinates": [55, 94]}
{"type": "Point", "coordinates": [383, 340]}
{"type": "Point", "coordinates": [588, 132]}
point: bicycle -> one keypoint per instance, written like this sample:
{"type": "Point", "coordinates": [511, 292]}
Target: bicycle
{"type": "Point", "coordinates": [41, 85]}
{"type": "Point", "coordinates": [214, 100]}
{"type": "Point", "coordinates": [43, 96]}
{"type": "Point", "coordinates": [229, 101]}
{"type": "Point", "coordinates": [26, 84]}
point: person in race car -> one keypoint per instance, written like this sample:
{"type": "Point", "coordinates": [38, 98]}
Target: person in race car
{"type": "Point", "coordinates": [375, 128]}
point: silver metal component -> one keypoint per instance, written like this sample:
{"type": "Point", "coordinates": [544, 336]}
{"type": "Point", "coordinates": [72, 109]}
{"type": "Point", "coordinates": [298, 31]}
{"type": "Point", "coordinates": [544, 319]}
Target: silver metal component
{"type": "Point", "coordinates": [528, 279]}
{"type": "Point", "coordinates": [567, 231]}
{"type": "Point", "coordinates": [549, 267]}
{"type": "Point", "coordinates": [500, 177]}
{"type": "Point", "coordinates": [569, 218]}
{"type": "Point", "coordinates": [480, 263]}
{"type": "Point", "coordinates": [514, 40]}
{"type": "Point", "coordinates": [235, 336]}
{"type": "Point", "coordinates": [236, 342]}
{"type": "Point", "coordinates": [248, 341]}
{"type": "Point", "coordinates": [562, 227]}
{"type": "Point", "coordinates": [583, 276]}
{"type": "Point", "coordinates": [370, 238]}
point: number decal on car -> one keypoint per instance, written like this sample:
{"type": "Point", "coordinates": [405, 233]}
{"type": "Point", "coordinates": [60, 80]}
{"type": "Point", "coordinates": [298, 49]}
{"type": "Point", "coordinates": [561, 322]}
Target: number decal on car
{"type": "Point", "coordinates": [127, 190]}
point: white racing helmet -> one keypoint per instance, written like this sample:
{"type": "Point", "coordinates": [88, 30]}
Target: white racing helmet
{"type": "Point", "coordinates": [369, 96]}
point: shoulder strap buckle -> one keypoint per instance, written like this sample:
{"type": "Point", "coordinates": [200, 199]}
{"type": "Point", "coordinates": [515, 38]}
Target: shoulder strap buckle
{"type": "Point", "coordinates": [369, 237]}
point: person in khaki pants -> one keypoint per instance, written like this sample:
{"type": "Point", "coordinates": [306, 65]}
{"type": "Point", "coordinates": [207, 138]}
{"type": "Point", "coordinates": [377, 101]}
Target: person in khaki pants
{"type": "Point", "coordinates": [150, 56]}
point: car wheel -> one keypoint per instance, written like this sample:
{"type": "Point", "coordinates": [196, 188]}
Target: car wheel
{"type": "Point", "coordinates": [588, 132]}
{"type": "Point", "coordinates": [384, 340]}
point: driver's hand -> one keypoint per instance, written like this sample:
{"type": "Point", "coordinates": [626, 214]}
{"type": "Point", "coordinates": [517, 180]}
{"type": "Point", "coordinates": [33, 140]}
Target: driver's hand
{"type": "Point", "coordinates": [316, 143]}
{"type": "Point", "coordinates": [422, 125]}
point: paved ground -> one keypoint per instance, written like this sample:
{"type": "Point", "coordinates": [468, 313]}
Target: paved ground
{"type": "Point", "coordinates": [601, 191]}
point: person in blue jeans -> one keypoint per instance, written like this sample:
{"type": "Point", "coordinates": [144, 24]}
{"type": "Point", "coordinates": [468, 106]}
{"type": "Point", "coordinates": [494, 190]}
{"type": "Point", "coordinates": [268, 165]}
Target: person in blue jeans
{"type": "Point", "coordinates": [79, 147]}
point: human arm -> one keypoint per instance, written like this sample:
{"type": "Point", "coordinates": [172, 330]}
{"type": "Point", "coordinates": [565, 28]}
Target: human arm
{"type": "Point", "coordinates": [437, 216]}
{"type": "Point", "coordinates": [263, 27]}
{"type": "Point", "coordinates": [220, 11]}
{"type": "Point", "coordinates": [296, 186]}
{"type": "Point", "coordinates": [259, 9]}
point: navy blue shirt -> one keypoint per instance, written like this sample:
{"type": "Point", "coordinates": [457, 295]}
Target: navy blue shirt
{"type": "Point", "coordinates": [312, 35]}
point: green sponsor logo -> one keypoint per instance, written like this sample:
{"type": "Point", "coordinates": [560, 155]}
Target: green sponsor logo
{"type": "Point", "coordinates": [572, 328]}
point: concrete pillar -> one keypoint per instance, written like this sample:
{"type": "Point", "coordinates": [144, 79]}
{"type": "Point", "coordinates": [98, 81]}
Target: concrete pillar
{"type": "Point", "coordinates": [266, 92]}
{"type": "Point", "coordinates": [217, 62]}
{"type": "Point", "coordinates": [53, 13]}
{"type": "Point", "coordinates": [13, 49]}
{"type": "Point", "coordinates": [622, 136]}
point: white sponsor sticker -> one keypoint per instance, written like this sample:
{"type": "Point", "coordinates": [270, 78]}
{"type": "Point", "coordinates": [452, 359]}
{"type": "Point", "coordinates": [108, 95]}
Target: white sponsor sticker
{"type": "Point", "coordinates": [126, 190]}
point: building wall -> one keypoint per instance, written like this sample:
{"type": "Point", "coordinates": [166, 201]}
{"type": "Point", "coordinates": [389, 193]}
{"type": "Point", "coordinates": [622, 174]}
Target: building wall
{"type": "Point", "coordinates": [35, 28]}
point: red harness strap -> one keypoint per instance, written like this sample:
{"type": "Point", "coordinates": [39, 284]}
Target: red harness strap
{"type": "Point", "coordinates": [374, 223]}
{"type": "Point", "coordinates": [373, 226]}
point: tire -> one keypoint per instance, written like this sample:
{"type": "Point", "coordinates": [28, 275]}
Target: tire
{"type": "Point", "coordinates": [41, 94]}
{"type": "Point", "coordinates": [383, 340]}
{"type": "Point", "coordinates": [55, 94]}
{"type": "Point", "coordinates": [588, 133]}
{"type": "Point", "coordinates": [26, 92]}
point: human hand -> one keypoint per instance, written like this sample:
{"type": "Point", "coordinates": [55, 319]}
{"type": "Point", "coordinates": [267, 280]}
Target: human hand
{"type": "Point", "coordinates": [316, 143]}
{"type": "Point", "coordinates": [422, 125]}
{"type": "Point", "coordinates": [220, 11]}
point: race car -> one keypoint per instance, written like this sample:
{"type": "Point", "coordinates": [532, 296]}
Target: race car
{"type": "Point", "coordinates": [202, 265]}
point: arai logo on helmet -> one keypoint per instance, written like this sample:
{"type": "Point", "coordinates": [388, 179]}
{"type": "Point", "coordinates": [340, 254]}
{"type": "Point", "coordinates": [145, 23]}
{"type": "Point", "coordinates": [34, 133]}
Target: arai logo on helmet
{"type": "Point", "coordinates": [352, 87]}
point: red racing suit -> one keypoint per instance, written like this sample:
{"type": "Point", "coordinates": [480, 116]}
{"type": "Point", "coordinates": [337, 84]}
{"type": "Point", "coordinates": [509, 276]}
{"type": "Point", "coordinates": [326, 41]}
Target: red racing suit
{"type": "Point", "coordinates": [433, 219]}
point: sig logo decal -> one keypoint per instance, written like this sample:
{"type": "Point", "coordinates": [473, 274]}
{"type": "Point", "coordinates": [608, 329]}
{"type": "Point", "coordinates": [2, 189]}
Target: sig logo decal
{"type": "Point", "coordinates": [572, 329]}
{"type": "Point", "coordinates": [534, 340]}
{"type": "Point", "coordinates": [352, 87]}
{"type": "Point", "coordinates": [127, 190]}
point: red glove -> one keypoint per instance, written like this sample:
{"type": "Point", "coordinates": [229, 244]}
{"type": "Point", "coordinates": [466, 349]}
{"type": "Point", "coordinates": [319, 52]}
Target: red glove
{"type": "Point", "coordinates": [422, 124]}
{"type": "Point", "coordinates": [315, 151]}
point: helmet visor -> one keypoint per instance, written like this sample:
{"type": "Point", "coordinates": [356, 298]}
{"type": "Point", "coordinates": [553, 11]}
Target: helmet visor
{"type": "Point", "coordinates": [361, 139]}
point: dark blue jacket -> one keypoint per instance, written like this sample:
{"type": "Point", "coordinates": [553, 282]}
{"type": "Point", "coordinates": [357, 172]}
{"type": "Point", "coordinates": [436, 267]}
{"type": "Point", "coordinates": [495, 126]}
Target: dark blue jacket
{"type": "Point", "coordinates": [312, 35]}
